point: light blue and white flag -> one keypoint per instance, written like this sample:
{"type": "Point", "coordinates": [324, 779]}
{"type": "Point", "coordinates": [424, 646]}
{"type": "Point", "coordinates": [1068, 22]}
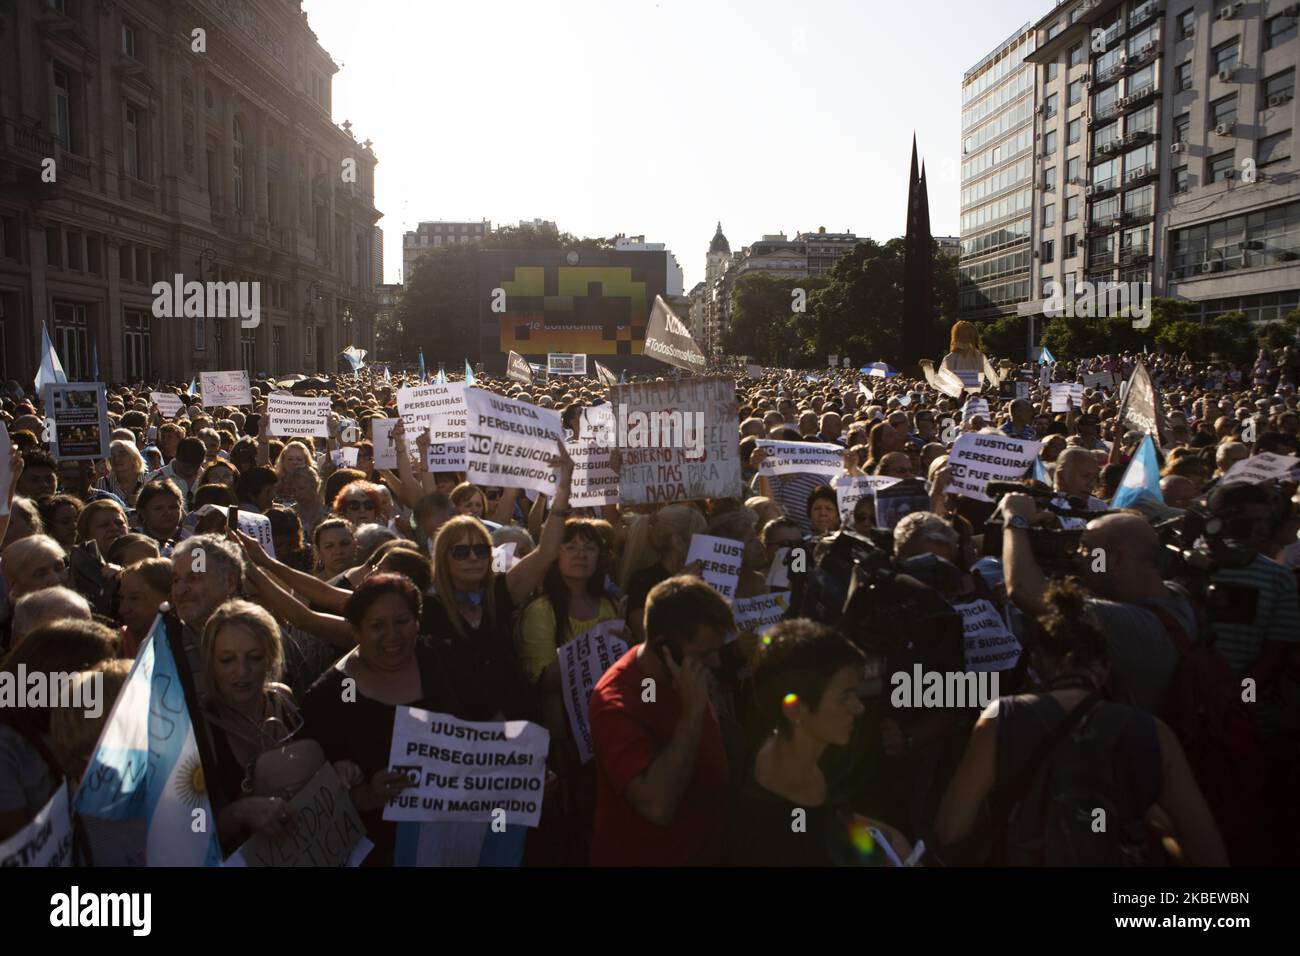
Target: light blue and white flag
{"type": "Point", "coordinates": [421, 366]}
{"type": "Point", "coordinates": [1047, 356]}
{"type": "Point", "coordinates": [355, 357]}
{"type": "Point", "coordinates": [442, 376]}
{"type": "Point", "coordinates": [194, 388]}
{"type": "Point", "coordinates": [387, 376]}
{"type": "Point", "coordinates": [469, 373]}
{"type": "Point", "coordinates": [51, 369]}
{"type": "Point", "coordinates": [1040, 472]}
{"type": "Point", "coordinates": [146, 765]}
{"type": "Point", "coordinates": [1141, 477]}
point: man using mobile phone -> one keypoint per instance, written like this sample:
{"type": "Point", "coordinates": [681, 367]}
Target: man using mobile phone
{"type": "Point", "coordinates": [661, 766]}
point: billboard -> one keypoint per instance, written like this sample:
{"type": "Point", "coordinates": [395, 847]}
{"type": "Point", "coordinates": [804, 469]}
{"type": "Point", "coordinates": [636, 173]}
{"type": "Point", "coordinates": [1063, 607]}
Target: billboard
{"type": "Point", "coordinates": [593, 302]}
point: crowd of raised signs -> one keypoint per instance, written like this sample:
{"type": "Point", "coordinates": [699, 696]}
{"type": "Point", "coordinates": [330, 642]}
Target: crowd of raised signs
{"type": "Point", "coordinates": [415, 626]}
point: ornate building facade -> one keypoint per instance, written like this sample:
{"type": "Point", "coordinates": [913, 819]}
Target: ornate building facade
{"type": "Point", "coordinates": [189, 139]}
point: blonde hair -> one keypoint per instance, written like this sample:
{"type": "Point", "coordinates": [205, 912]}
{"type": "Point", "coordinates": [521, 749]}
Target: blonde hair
{"type": "Point", "coordinates": [965, 337]}
{"type": "Point", "coordinates": [257, 622]}
{"type": "Point", "coordinates": [650, 537]}
{"type": "Point", "coordinates": [73, 734]}
{"type": "Point", "coordinates": [452, 530]}
{"type": "Point", "coordinates": [280, 462]}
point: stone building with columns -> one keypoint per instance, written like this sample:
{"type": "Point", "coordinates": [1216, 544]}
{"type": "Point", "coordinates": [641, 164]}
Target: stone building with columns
{"type": "Point", "coordinates": [144, 140]}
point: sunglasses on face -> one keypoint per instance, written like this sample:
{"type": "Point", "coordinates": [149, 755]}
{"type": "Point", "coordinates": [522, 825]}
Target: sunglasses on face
{"type": "Point", "coordinates": [493, 495]}
{"type": "Point", "coordinates": [364, 504]}
{"type": "Point", "coordinates": [462, 551]}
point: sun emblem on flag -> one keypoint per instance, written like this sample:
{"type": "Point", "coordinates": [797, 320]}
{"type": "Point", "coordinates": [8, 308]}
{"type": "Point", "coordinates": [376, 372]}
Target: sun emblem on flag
{"type": "Point", "coordinates": [190, 786]}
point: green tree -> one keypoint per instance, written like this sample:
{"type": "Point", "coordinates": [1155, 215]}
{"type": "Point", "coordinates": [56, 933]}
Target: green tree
{"type": "Point", "coordinates": [1005, 337]}
{"type": "Point", "coordinates": [1275, 335]}
{"type": "Point", "coordinates": [764, 320]}
{"type": "Point", "coordinates": [859, 312]}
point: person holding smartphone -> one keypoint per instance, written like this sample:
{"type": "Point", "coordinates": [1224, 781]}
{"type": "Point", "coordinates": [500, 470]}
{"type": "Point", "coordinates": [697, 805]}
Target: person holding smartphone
{"type": "Point", "coordinates": [662, 772]}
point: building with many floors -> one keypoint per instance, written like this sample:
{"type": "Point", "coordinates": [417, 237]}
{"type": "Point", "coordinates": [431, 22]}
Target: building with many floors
{"type": "Point", "coordinates": [145, 140]}
{"type": "Point", "coordinates": [1165, 151]}
{"type": "Point", "coordinates": [435, 234]}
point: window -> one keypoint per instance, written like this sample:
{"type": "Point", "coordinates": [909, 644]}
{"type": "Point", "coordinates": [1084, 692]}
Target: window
{"type": "Point", "coordinates": [1049, 251]}
{"type": "Point", "coordinates": [277, 348]}
{"type": "Point", "coordinates": [1072, 168]}
{"type": "Point", "coordinates": [1139, 202]}
{"type": "Point", "coordinates": [1179, 179]}
{"type": "Point", "coordinates": [1183, 76]}
{"type": "Point", "coordinates": [1107, 134]}
{"type": "Point", "coordinates": [1049, 178]}
{"type": "Point", "coordinates": [136, 345]}
{"type": "Point", "coordinates": [1049, 215]}
{"type": "Point", "coordinates": [72, 339]}
{"type": "Point", "coordinates": [1224, 56]}
{"type": "Point", "coordinates": [1071, 246]}
{"type": "Point", "coordinates": [1071, 208]}
{"type": "Point", "coordinates": [248, 349]}
{"type": "Point", "coordinates": [1143, 80]}
{"type": "Point", "coordinates": [1181, 126]}
{"type": "Point", "coordinates": [1049, 143]}
{"type": "Point", "coordinates": [1054, 29]}
{"type": "Point", "coordinates": [1075, 91]}
{"type": "Point", "coordinates": [308, 334]}
{"type": "Point", "coordinates": [131, 143]}
{"type": "Point", "coordinates": [1077, 56]}
{"type": "Point", "coordinates": [63, 108]}
{"type": "Point", "coordinates": [1262, 237]}
{"type": "Point", "coordinates": [1280, 84]}
{"type": "Point", "coordinates": [1274, 148]}
{"type": "Point", "coordinates": [1186, 23]}
{"type": "Point", "coordinates": [1224, 110]}
{"type": "Point", "coordinates": [272, 203]}
{"type": "Point", "coordinates": [1277, 30]}
{"type": "Point", "coordinates": [1143, 121]}
{"type": "Point", "coordinates": [1220, 166]}
{"type": "Point", "coordinates": [128, 41]}
{"type": "Point", "coordinates": [1053, 70]}
{"type": "Point", "coordinates": [1049, 105]}
{"type": "Point", "coordinates": [237, 153]}
{"type": "Point", "coordinates": [1073, 131]}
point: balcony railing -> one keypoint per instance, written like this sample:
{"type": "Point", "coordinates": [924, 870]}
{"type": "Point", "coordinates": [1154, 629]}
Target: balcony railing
{"type": "Point", "coordinates": [1134, 255]}
{"type": "Point", "coordinates": [1102, 187]}
{"type": "Point", "coordinates": [1106, 112]}
{"type": "Point", "coordinates": [1140, 174]}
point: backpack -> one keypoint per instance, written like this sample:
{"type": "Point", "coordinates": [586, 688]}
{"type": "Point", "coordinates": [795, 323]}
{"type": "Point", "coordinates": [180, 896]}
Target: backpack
{"type": "Point", "coordinates": [1217, 730]}
{"type": "Point", "coordinates": [1049, 813]}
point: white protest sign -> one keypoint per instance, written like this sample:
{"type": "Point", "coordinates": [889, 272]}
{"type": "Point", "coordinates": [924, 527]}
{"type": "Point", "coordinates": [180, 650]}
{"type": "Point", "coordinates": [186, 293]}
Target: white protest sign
{"type": "Point", "coordinates": [597, 425]}
{"type": "Point", "coordinates": [170, 405]}
{"type": "Point", "coordinates": [464, 771]}
{"type": "Point", "coordinates": [968, 378]}
{"type": "Point", "coordinates": [47, 840]}
{"type": "Point", "coordinates": [225, 388]}
{"type": "Point", "coordinates": [989, 645]}
{"type": "Point", "coordinates": [385, 446]}
{"type": "Point", "coordinates": [866, 391]}
{"type": "Point", "coordinates": [257, 526]}
{"type": "Point", "coordinates": [975, 407]}
{"type": "Point", "coordinates": [720, 558]}
{"type": "Point", "coordinates": [1063, 393]}
{"type": "Point", "coordinates": [976, 459]}
{"type": "Point", "coordinates": [441, 409]}
{"type": "Point", "coordinates": [511, 444]}
{"type": "Point", "coordinates": [1094, 379]}
{"type": "Point", "coordinates": [6, 468]}
{"type": "Point", "coordinates": [582, 662]}
{"type": "Point", "coordinates": [1256, 469]}
{"type": "Point", "coordinates": [800, 458]}
{"type": "Point", "coordinates": [850, 489]}
{"type": "Point", "coordinates": [757, 615]}
{"type": "Point", "coordinates": [503, 557]}
{"type": "Point", "coordinates": [298, 415]}
{"type": "Point", "coordinates": [346, 457]}
{"type": "Point", "coordinates": [595, 482]}
{"type": "Point", "coordinates": [562, 363]}
{"type": "Point", "coordinates": [681, 440]}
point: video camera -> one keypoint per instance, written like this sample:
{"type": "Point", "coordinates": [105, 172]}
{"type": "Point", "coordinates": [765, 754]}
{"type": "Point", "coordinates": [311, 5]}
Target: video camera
{"type": "Point", "coordinates": [1198, 546]}
{"type": "Point", "coordinates": [1056, 549]}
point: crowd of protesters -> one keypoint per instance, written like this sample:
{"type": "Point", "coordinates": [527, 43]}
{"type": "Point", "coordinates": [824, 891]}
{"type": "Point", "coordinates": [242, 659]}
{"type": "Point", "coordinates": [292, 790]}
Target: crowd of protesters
{"type": "Point", "coordinates": [754, 750]}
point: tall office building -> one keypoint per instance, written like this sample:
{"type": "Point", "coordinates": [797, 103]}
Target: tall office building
{"type": "Point", "coordinates": [434, 234]}
{"type": "Point", "coordinates": [1164, 151]}
{"type": "Point", "coordinates": [997, 179]}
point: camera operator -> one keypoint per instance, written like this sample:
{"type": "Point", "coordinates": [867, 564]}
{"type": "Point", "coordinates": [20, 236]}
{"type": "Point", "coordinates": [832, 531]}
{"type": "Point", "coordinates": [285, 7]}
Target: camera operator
{"type": "Point", "coordinates": [1076, 474]}
{"type": "Point", "coordinates": [1119, 563]}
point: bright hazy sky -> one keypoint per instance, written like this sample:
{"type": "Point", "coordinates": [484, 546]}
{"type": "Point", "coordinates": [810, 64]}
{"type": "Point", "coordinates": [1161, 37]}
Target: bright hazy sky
{"type": "Point", "coordinates": [659, 118]}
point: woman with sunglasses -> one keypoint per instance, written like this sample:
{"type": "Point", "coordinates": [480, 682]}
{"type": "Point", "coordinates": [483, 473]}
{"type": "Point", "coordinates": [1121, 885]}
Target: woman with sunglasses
{"type": "Point", "coordinates": [362, 502]}
{"type": "Point", "coordinates": [471, 612]}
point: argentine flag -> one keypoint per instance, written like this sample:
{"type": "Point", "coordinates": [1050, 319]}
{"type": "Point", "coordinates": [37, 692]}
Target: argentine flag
{"type": "Point", "coordinates": [146, 765]}
{"type": "Point", "coordinates": [51, 369]}
{"type": "Point", "coordinates": [442, 376]}
{"type": "Point", "coordinates": [1141, 477]}
{"type": "Point", "coordinates": [469, 373]}
{"type": "Point", "coordinates": [193, 388]}
{"type": "Point", "coordinates": [421, 366]}
{"type": "Point", "coordinates": [1040, 472]}
{"type": "Point", "coordinates": [1047, 356]}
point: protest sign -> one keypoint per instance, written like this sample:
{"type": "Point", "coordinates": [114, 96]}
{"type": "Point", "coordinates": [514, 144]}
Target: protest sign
{"type": "Point", "coordinates": [563, 363]}
{"type": "Point", "coordinates": [868, 393]}
{"type": "Point", "coordinates": [1260, 468]}
{"type": "Point", "coordinates": [976, 460]}
{"type": "Point", "coordinates": [1141, 408]}
{"type": "Point", "coordinates": [47, 840]}
{"type": "Point", "coordinates": [757, 615]}
{"type": "Point", "coordinates": [944, 381]}
{"type": "Point", "coordinates": [326, 828]}
{"type": "Point", "coordinates": [1098, 379]}
{"type": "Point", "coordinates": [582, 662]}
{"type": "Point", "coordinates": [464, 771]}
{"type": "Point", "coordinates": [170, 405]}
{"type": "Point", "coordinates": [258, 527]}
{"type": "Point", "coordinates": [1065, 393]}
{"type": "Point", "coordinates": [721, 559]}
{"type": "Point", "coordinates": [681, 440]}
{"type": "Point", "coordinates": [381, 430]}
{"type": "Point", "coordinates": [595, 482]}
{"type": "Point", "coordinates": [6, 468]}
{"type": "Point", "coordinates": [77, 415]}
{"type": "Point", "coordinates": [511, 444]}
{"type": "Point", "coordinates": [970, 379]}
{"type": "Point", "coordinates": [894, 502]}
{"type": "Point", "coordinates": [800, 458]}
{"type": "Point", "coordinates": [345, 457]}
{"type": "Point", "coordinates": [668, 340]}
{"type": "Point", "coordinates": [778, 575]}
{"type": "Point", "coordinates": [298, 415]}
{"type": "Point", "coordinates": [989, 645]}
{"type": "Point", "coordinates": [975, 407]}
{"type": "Point", "coordinates": [441, 409]}
{"type": "Point", "coordinates": [517, 369]}
{"type": "Point", "coordinates": [596, 424]}
{"type": "Point", "coordinates": [224, 388]}
{"type": "Point", "coordinates": [850, 489]}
